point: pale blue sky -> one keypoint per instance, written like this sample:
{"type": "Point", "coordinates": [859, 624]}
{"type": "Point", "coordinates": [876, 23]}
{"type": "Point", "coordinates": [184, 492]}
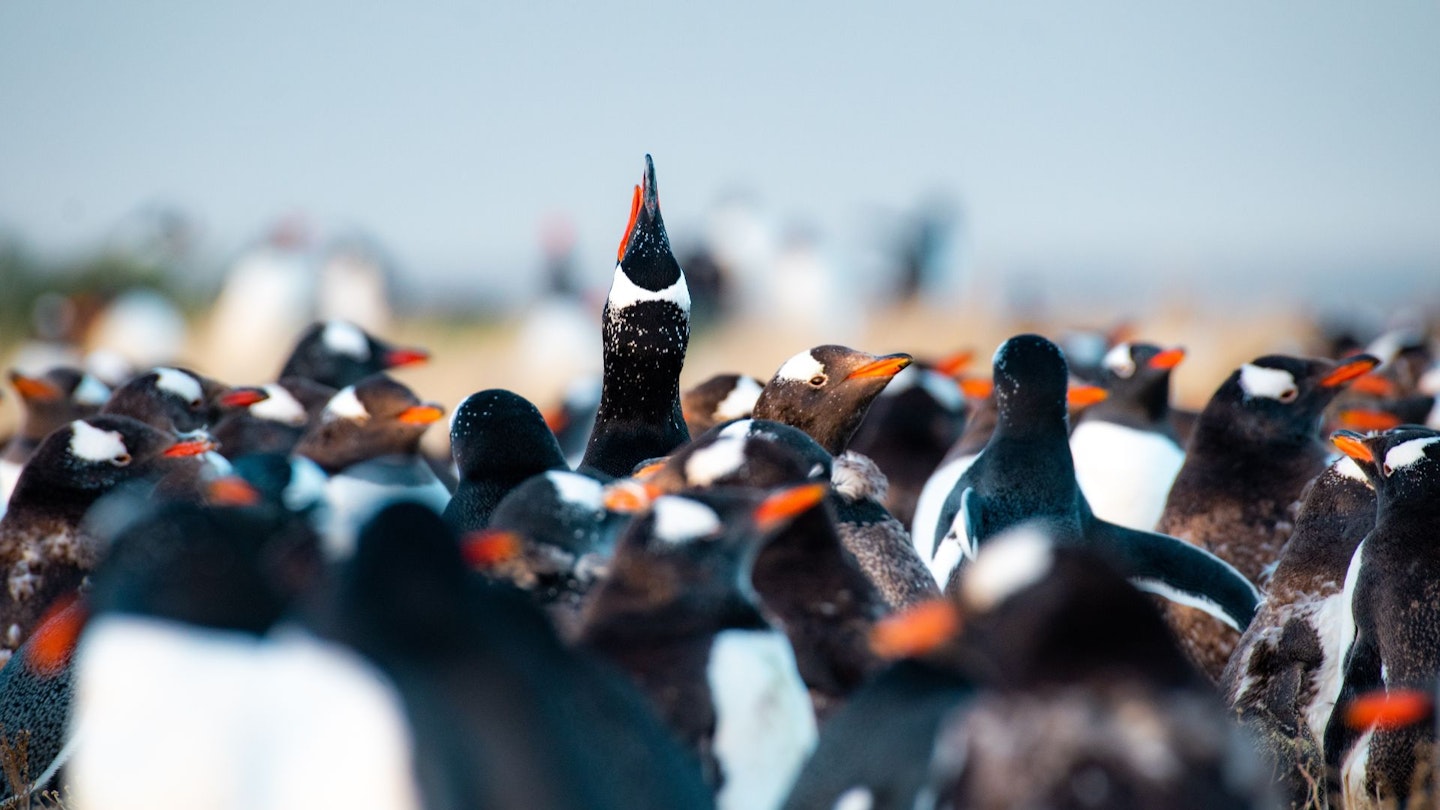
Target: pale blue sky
{"type": "Point", "coordinates": [1102, 131]}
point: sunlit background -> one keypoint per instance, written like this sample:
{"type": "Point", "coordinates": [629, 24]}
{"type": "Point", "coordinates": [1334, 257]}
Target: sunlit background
{"type": "Point", "coordinates": [1226, 174]}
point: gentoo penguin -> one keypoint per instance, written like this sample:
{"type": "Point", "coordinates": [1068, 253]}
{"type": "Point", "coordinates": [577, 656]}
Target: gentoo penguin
{"type": "Point", "coordinates": [368, 440]}
{"type": "Point", "coordinates": [722, 398]}
{"type": "Point", "coordinates": [1284, 676]}
{"type": "Point", "coordinates": [339, 353]}
{"type": "Point", "coordinates": [573, 418]}
{"type": "Point", "coordinates": [1087, 702]}
{"type": "Point", "coordinates": [1394, 589]}
{"type": "Point", "coordinates": [826, 391]}
{"type": "Point", "coordinates": [646, 330]}
{"type": "Point", "coordinates": [272, 424]}
{"type": "Point", "coordinates": [35, 694]}
{"type": "Point", "coordinates": [1026, 473]}
{"type": "Point", "coordinates": [877, 539]}
{"type": "Point", "coordinates": [498, 440]}
{"type": "Point", "coordinates": [909, 428]}
{"type": "Point", "coordinates": [502, 713]}
{"type": "Point", "coordinates": [1255, 448]}
{"type": "Point", "coordinates": [49, 400]}
{"type": "Point", "coordinates": [1125, 451]}
{"type": "Point", "coordinates": [678, 614]}
{"type": "Point", "coordinates": [44, 550]}
{"type": "Point", "coordinates": [164, 398]}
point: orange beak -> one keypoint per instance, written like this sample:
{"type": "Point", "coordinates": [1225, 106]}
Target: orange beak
{"type": "Point", "coordinates": [405, 357]}
{"type": "Point", "coordinates": [629, 225]}
{"type": "Point", "coordinates": [1352, 445]}
{"type": "Point", "coordinates": [555, 419]}
{"type": "Point", "coordinates": [1394, 709]}
{"type": "Point", "coordinates": [1373, 385]}
{"type": "Point", "coordinates": [1365, 420]}
{"type": "Point", "coordinates": [421, 414]}
{"type": "Point", "coordinates": [954, 364]}
{"type": "Point", "coordinates": [916, 631]}
{"type": "Point", "coordinates": [1351, 369]}
{"type": "Point", "coordinates": [190, 447]}
{"type": "Point", "coordinates": [34, 388]}
{"type": "Point", "coordinates": [1168, 359]}
{"type": "Point", "coordinates": [787, 503]}
{"type": "Point", "coordinates": [231, 491]}
{"type": "Point", "coordinates": [488, 548]}
{"type": "Point", "coordinates": [887, 366]}
{"type": "Point", "coordinates": [1083, 396]}
{"type": "Point", "coordinates": [630, 496]}
{"type": "Point", "coordinates": [978, 388]}
{"type": "Point", "coordinates": [243, 397]}
{"type": "Point", "coordinates": [649, 470]}
{"type": "Point", "coordinates": [55, 636]}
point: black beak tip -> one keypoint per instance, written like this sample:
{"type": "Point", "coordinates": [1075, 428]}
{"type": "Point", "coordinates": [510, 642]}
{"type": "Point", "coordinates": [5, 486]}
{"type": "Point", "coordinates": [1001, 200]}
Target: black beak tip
{"type": "Point", "coordinates": [650, 194]}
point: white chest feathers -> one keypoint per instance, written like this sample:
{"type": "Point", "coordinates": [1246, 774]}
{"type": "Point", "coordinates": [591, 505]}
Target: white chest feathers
{"type": "Point", "coordinates": [1125, 473]}
{"type": "Point", "coordinates": [764, 725]}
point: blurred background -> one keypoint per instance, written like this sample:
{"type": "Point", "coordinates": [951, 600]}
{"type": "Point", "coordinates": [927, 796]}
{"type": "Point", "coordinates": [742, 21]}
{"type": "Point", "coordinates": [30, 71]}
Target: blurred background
{"type": "Point", "coordinates": [197, 181]}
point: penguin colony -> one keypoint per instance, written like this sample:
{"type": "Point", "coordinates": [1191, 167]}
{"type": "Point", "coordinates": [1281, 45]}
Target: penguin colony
{"type": "Point", "coordinates": [867, 582]}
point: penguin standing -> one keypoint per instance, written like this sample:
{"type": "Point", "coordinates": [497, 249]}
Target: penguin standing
{"type": "Point", "coordinates": [646, 331]}
{"type": "Point", "coordinates": [1284, 676]}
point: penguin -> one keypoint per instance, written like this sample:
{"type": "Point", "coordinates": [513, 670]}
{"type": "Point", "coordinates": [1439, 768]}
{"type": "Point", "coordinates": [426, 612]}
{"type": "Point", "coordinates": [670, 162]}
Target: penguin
{"type": "Point", "coordinates": [35, 693]}
{"type": "Point", "coordinates": [1393, 585]}
{"type": "Point", "coordinates": [909, 429]}
{"type": "Point", "coordinates": [498, 440]}
{"type": "Point", "coordinates": [1285, 674]}
{"type": "Point", "coordinates": [501, 713]}
{"type": "Point", "coordinates": [646, 329]}
{"type": "Point", "coordinates": [573, 418]}
{"type": "Point", "coordinates": [272, 424]}
{"type": "Point", "coordinates": [50, 400]}
{"type": "Point", "coordinates": [1255, 448]}
{"type": "Point", "coordinates": [44, 550]}
{"type": "Point", "coordinates": [679, 615]}
{"type": "Point", "coordinates": [1086, 701]}
{"type": "Point", "coordinates": [164, 398]}
{"type": "Point", "coordinates": [721, 398]}
{"type": "Point", "coordinates": [1124, 448]}
{"type": "Point", "coordinates": [876, 538]}
{"type": "Point", "coordinates": [826, 392]}
{"type": "Point", "coordinates": [1026, 473]}
{"type": "Point", "coordinates": [338, 353]}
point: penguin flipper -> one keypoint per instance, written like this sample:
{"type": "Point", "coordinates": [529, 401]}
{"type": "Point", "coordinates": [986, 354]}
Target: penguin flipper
{"type": "Point", "coordinates": [1182, 573]}
{"type": "Point", "coordinates": [971, 511]}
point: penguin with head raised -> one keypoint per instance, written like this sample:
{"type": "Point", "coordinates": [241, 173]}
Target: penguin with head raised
{"type": "Point", "coordinates": [646, 331]}
{"type": "Point", "coordinates": [1394, 591]}
{"type": "Point", "coordinates": [338, 353]}
{"type": "Point", "coordinates": [498, 440]}
{"type": "Point", "coordinates": [1026, 473]}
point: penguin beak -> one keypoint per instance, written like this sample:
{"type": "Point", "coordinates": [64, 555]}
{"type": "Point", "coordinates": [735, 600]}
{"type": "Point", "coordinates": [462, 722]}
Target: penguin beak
{"type": "Point", "coordinates": [55, 636]}
{"type": "Point", "coordinates": [34, 388]}
{"type": "Point", "coordinates": [1353, 445]}
{"type": "Point", "coordinates": [629, 496]}
{"type": "Point", "coordinates": [1168, 359]}
{"type": "Point", "coordinates": [1389, 709]}
{"type": "Point", "coordinates": [405, 357]}
{"type": "Point", "coordinates": [954, 364]}
{"type": "Point", "coordinates": [1364, 420]}
{"type": "Point", "coordinates": [649, 470]}
{"type": "Point", "coordinates": [629, 225]}
{"type": "Point", "coordinates": [916, 631]}
{"type": "Point", "coordinates": [421, 414]}
{"type": "Point", "coordinates": [488, 548]}
{"type": "Point", "coordinates": [231, 490]}
{"type": "Point", "coordinates": [190, 447]}
{"type": "Point", "coordinates": [784, 505]}
{"type": "Point", "coordinates": [978, 388]}
{"type": "Point", "coordinates": [646, 198]}
{"type": "Point", "coordinates": [1373, 385]}
{"type": "Point", "coordinates": [1352, 368]}
{"type": "Point", "coordinates": [881, 367]}
{"type": "Point", "coordinates": [1083, 396]}
{"type": "Point", "coordinates": [243, 397]}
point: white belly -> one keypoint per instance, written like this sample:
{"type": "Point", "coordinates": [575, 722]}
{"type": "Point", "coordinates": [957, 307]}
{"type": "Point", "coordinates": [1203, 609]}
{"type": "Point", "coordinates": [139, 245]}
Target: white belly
{"type": "Point", "coordinates": [1125, 473]}
{"type": "Point", "coordinates": [925, 529]}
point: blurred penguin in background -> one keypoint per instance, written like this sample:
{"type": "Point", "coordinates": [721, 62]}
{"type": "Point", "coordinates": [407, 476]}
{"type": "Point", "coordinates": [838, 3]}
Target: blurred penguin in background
{"type": "Point", "coordinates": [356, 284]}
{"type": "Point", "coordinates": [266, 299]}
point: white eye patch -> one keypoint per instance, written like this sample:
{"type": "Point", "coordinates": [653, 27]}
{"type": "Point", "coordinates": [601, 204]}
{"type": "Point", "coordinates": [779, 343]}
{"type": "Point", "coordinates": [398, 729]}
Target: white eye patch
{"type": "Point", "coordinates": [720, 459]}
{"type": "Point", "coordinates": [802, 367]}
{"type": "Point", "coordinates": [280, 406]}
{"type": "Point", "coordinates": [1119, 361]}
{"type": "Point", "coordinates": [1407, 453]}
{"type": "Point", "coordinates": [740, 401]}
{"type": "Point", "coordinates": [347, 339]}
{"type": "Point", "coordinates": [1270, 383]}
{"type": "Point", "coordinates": [680, 520]}
{"type": "Point", "coordinates": [177, 382]}
{"type": "Point", "coordinates": [625, 293]}
{"type": "Point", "coordinates": [90, 443]}
{"type": "Point", "coordinates": [577, 489]}
{"type": "Point", "coordinates": [345, 405]}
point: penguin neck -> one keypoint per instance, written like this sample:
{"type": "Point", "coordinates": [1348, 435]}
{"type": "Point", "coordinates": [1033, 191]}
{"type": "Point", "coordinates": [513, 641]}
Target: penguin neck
{"type": "Point", "coordinates": [1292, 456]}
{"type": "Point", "coordinates": [1331, 524]}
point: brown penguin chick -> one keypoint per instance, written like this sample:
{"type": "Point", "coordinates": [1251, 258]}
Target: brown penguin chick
{"type": "Point", "coordinates": [719, 399]}
{"type": "Point", "coordinates": [375, 417]}
{"type": "Point", "coordinates": [826, 392]}
{"type": "Point", "coordinates": [1255, 449]}
{"type": "Point", "coordinates": [45, 553]}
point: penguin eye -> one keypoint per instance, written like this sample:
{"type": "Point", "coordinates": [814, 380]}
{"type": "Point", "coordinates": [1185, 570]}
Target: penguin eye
{"type": "Point", "coordinates": [818, 380]}
{"type": "Point", "coordinates": [1385, 469]}
{"type": "Point", "coordinates": [1289, 394]}
{"type": "Point", "coordinates": [121, 460]}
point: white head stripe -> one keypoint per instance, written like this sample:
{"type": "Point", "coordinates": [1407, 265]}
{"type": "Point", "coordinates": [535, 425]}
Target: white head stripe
{"type": "Point", "coordinates": [91, 391]}
{"type": "Point", "coordinates": [280, 406]}
{"type": "Point", "coordinates": [625, 293]}
{"type": "Point", "coordinates": [1406, 453]}
{"type": "Point", "coordinates": [1006, 565]}
{"type": "Point", "coordinates": [738, 429]}
{"type": "Point", "coordinates": [345, 405]}
{"type": "Point", "coordinates": [1347, 467]}
{"type": "Point", "coordinates": [577, 489]}
{"type": "Point", "coordinates": [1271, 383]}
{"type": "Point", "coordinates": [346, 338]}
{"type": "Point", "coordinates": [740, 401]}
{"type": "Point", "coordinates": [680, 520]}
{"type": "Point", "coordinates": [800, 367]}
{"type": "Point", "coordinates": [178, 383]}
{"type": "Point", "coordinates": [1119, 361]}
{"type": "Point", "coordinates": [718, 460]}
{"type": "Point", "coordinates": [93, 444]}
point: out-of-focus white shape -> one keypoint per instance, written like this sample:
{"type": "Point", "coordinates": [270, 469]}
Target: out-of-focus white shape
{"type": "Point", "coordinates": [143, 327]}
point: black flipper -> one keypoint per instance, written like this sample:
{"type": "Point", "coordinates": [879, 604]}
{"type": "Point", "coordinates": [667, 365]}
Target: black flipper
{"type": "Point", "coordinates": [970, 513]}
{"type": "Point", "coordinates": [1182, 573]}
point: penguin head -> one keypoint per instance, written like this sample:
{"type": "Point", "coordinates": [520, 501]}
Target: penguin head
{"type": "Point", "coordinates": [1139, 374]}
{"type": "Point", "coordinates": [97, 453]}
{"type": "Point", "coordinates": [747, 452]}
{"type": "Point", "coordinates": [644, 259]}
{"type": "Point", "coordinates": [1283, 397]}
{"type": "Point", "coordinates": [339, 353]}
{"type": "Point", "coordinates": [826, 391]}
{"type": "Point", "coordinates": [278, 404]}
{"type": "Point", "coordinates": [1403, 464]}
{"type": "Point", "coordinates": [719, 399]}
{"type": "Point", "coordinates": [165, 398]}
{"type": "Point", "coordinates": [499, 431]}
{"type": "Point", "coordinates": [375, 417]}
{"type": "Point", "coordinates": [1030, 379]}
{"type": "Point", "coordinates": [62, 394]}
